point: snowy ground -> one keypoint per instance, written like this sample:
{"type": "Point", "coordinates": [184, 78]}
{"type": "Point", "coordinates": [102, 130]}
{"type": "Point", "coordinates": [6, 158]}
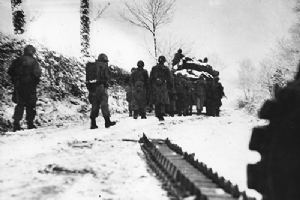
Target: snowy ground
{"type": "Point", "coordinates": [77, 163]}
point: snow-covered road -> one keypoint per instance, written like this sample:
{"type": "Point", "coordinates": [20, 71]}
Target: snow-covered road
{"type": "Point", "coordinates": [78, 163]}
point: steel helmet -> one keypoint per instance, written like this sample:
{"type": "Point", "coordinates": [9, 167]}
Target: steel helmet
{"type": "Point", "coordinates": [29, 50]}
{"type": "Point", "coordinates": [161, 59]}
{"type": "Point", "coordinates": [140, 63]}
{"type": "Point", "coordinates": [103, 57]}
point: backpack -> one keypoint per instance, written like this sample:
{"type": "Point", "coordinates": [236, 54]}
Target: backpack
{"type": "Point", "coordinates": [91, 72]}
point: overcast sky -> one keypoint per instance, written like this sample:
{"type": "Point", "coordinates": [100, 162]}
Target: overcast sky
{"type": "Point", "coordinates": [232, 29]}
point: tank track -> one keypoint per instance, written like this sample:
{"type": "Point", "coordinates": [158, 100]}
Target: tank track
{"type": "Point", "coordinates": [276, 176]}
{"type": "Point", "coordinates": [184, 176]}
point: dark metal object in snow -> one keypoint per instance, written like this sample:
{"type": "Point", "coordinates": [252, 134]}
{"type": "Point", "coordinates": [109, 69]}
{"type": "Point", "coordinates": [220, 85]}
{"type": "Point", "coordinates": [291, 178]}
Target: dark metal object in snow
{"type": "Point", "coordinates": [276, 176]}
{"type": "Point", "coordinates": [59, 170]}
{"type": "Point", "coordinates": [184, 176]}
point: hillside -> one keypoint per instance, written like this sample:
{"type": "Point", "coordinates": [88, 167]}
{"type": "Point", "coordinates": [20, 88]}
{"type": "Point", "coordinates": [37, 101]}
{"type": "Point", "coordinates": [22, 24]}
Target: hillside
{"type": "Point", "coordinates": [62, 95]}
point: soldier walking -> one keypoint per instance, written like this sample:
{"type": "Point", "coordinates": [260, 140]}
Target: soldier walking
{"type": "Point", "coordinates": [200, 86]}
{"type": "Point", "coordinates": [97, 77]}
{"type": "Point", "coordinates": [139, 81]}
{"type": "Point", "coordinates": [219, 95]}
{"type": "Point", "coordinates": [160, 81]}
{"type": "Point", "coordinates": [25, 74]}
{"type": "Point", "coordinates": [211, 102]}
{"type": "Point", "coordinates": [171, 108]}
{"type": "Point", "coordinates": [177, 57]}
{"type": "Point", "coordinates": [181, 93]}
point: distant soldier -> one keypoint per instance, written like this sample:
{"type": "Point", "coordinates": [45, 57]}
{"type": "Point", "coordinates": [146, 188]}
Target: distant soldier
{"type": "Point", "coordinates": [181, 93]}
{"type": "Point", "coordinates": [200, 92]}
{"type": "Point", "coordinates": [177, 57]}
{"type": "Point", "coordinates": [211, 101]}
{"type": "Point", "coordinates": [172, 97]}
{"type": "Point", "coordinates": [160, 81]}
{"type": "Point", "coordinates": [189, 97]}
{"type": "Point", "coordinates": [139, 81]}
{"type": "Point", "coordinates": [97, 77]}
{"type": "Point", "coordinates": [25, 74]}
{"type": "Point", "coordinates": [219, 95]}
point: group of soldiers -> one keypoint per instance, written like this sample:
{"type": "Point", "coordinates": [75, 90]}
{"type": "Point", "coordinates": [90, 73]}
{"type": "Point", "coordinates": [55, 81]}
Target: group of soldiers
{"type": "Point", "coordinates": [25, 74]}
{"type": "Point", "coordinates": [170, 92]}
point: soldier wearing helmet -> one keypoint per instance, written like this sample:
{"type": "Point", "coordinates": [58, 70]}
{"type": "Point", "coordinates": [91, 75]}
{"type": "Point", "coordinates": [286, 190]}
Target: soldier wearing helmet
{"type": "Point", "coordinates": [25, 74]}
{"type": "Point", "coordinates": [97, 75]}
{"type": "Point", "coordinates": [219, 95]}
{"type": "Point", "coordinates": [139, 82]}
{"type": "Point", "coordinates": [160, 82]}
{"type": "Point", "coordinates": [177, 57]}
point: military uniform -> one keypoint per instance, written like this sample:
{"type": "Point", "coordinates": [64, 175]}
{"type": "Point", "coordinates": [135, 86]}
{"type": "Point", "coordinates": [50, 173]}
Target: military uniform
{"type": "Point", "coordinates": [177, 57]}
{"type": "Point", "coordinates": [139, 81]}
{"type": "Point", "coordinates": [219, 95]}
{"type": "Point", "coordinates": [98, 96]}
{"type": "Point", "coordinates": [25, 74]}
{"type": "Point", "coordinates": [160, 81]}
{"type": "Point", "coordinates": [172, 97]}
{"type": "Point", "coordinates": [190, 97]}
{"type": "Point", "coordinates": [181, 93]}
{"type": "Point", "coordinates": [211, 103]}
{"type": "Point", "coordinates": [200, 94]}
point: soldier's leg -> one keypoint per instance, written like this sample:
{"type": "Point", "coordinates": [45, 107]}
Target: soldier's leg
{"type": "Point", "coordinates": [157, 110]}
{"type": "Point", "coordinates": [18, 115]}
{"type": "Point", "coordinates": [94, 112]}
{"type": "Point", "coordinates": [143, 110]}
{"type": "Point", "coordinates": [130, 109]}
{"type": "Point", "coordinates": [198, 105]}
{"type": "Point", "coordinates": [163, 111]}
{"type": "Point", "coordinates": [135, 113]}
{"type": "Point", "coordinates": [105, 110]}
{"type": "Point", "coordinates": [30, 115]}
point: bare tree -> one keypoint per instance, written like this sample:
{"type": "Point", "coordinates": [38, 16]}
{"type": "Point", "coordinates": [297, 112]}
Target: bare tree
{"type": "Point", "coordinates": [100, 10]}
{"type": "Point", "coordinates": [247, 79]}
{"type": "Point", "coordinates": [18, 16]}
{"type": "Point", "coordinates": [149, 15]}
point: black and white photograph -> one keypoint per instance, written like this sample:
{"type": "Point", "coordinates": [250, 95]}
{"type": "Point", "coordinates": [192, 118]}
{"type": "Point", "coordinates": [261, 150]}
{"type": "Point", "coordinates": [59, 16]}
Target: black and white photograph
{"type": "Point", "coordinates": [150, 99]}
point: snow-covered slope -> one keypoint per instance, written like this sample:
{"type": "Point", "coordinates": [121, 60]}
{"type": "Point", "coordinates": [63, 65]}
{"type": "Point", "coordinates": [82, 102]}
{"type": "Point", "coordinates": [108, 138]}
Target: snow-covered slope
{"type": "Point", "coordinates": [62, 95]}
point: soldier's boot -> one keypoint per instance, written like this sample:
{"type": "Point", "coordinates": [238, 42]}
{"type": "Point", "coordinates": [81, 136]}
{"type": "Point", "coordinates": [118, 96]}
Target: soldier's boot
{"type": "Point", "coordinates": [161, 118]}
{"type": "Point", "coordinates": [135, 114]}
{"type": "Point", "coordinates": [218, 112]}
{"type": "Point", "coordinates": [30, 125]}
{"type": "Point", "coordinates": [143, 115]}
{"type": "Point", "coordinates": [16, 126]}
{"type": "Point", "coordinates": [179, 113]}
{"type": "Point", "coordinates": [93, 123]}
{"type": "Point", "coordinates": [171, 113]}
{"type": "Point", "coordinates": [108, 123]}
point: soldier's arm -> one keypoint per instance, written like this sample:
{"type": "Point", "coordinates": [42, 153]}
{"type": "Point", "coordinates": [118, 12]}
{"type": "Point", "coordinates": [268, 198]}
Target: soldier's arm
{"type": "Point", "coordinates": [12, 70]}
{"type": "Point", "coordinates": [106, 76]}
{"type": "Point", "coordinates": [146, 78]}
{"type": "Point", "coordinates": [131, 79]}
{"type": "Point", "coordinates": [168, 78]}
{"type": "Point", "coordinates": [37, 72]}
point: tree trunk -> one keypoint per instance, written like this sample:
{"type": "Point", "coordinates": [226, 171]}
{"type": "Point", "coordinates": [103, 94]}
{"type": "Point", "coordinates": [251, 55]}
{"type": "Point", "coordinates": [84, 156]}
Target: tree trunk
{"type": "Point", "coordinates": [18, 16]}
{"type": "Point", "coordinates": [84, 27]}
{"type": "Point", "coordinates": [155, 45]}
